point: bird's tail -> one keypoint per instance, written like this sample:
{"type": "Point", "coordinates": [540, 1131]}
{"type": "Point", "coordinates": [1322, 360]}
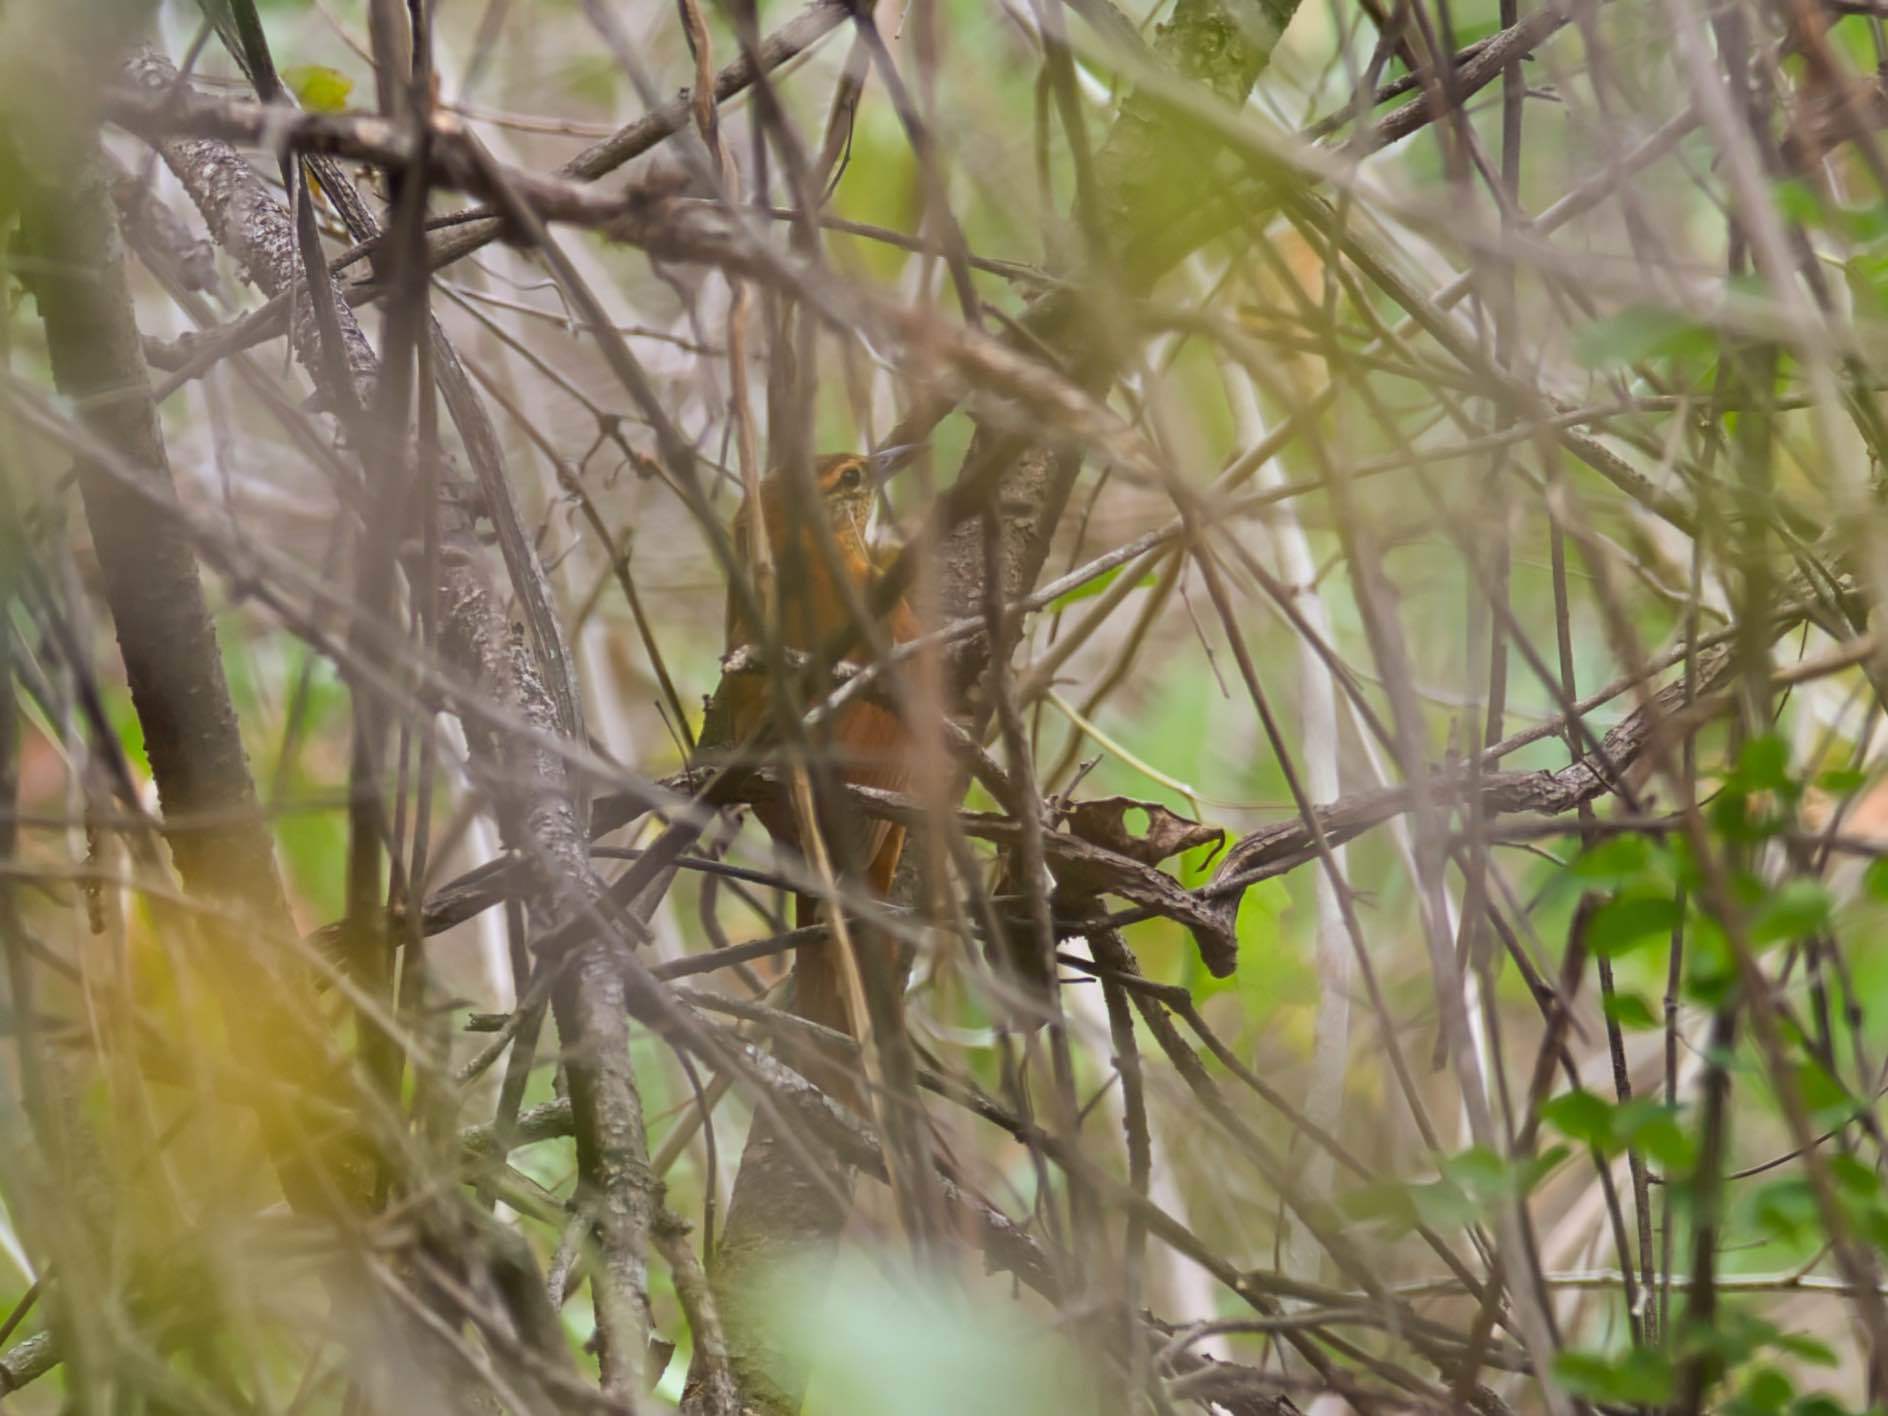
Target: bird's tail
{"type": "Point", "coordinates": [819, 980]}
{"type": "Point", "coordinates": [818, 993]}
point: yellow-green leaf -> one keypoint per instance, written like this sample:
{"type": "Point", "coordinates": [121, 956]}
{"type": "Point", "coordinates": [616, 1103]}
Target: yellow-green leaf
{"type": "Point", "coordinates": [319, 88]}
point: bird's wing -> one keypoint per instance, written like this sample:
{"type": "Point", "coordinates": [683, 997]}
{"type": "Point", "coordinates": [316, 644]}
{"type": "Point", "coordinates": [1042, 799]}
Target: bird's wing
{"type": "Point", "coordinates": [880, 748]}
{"type": "Point", "coordinates": [873, 748]}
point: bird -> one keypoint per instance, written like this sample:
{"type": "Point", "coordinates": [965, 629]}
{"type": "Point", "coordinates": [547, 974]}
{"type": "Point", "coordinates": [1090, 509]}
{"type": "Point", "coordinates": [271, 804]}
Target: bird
{"type": "Point", "coordinates": [869, 744]}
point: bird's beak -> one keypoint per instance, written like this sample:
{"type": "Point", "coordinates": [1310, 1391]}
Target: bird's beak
{"type": "Point", "coordinates": [888, 462]}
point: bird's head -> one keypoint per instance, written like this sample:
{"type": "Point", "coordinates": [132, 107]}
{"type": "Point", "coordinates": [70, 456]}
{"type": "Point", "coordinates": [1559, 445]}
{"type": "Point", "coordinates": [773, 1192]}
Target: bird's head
{"type": "Point", "coordinates": [847, 482]}
{"type": "Point", "coordinates": [846, 485]}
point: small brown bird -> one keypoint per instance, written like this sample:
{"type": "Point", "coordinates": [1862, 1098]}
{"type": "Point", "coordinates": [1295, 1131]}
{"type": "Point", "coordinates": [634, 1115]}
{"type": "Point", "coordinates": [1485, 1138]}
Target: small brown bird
{"type": "Point", "coordinates": [870, 745]}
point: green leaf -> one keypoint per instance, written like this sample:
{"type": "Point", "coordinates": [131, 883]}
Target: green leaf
{"type": "Point", "coordinates": [1632, 1012]}
{"type": "Point", "coordinates": [1644, 1124]}
{"type": "Point", "coordinates": [1875, 878]}
{"type": "Point", "coordinates": [1797, 201]}
{"type": "Point", "coordinates": [1089, 589]}
{"type": "Point", "coordinates": [1864, 224]}
{"type": "Point", "coordinates": [1857, 1184]}
{"type": "Point", "coordinates": [1738, 815]}
{"type": "Point", "coordinates": [918, 1350]}
{"type": "Point", "coordinates": [1685, 870]}
{"type": "Point", "coordinates": [1766, 1392]}
{"type": "Point", "coordinates": [1480, 1172]}
{"type": "Point", "coordinates": [1797, 908]}
{"type": "Point", "coordinates": [1442, 1204]}
{"type": "Point", "coordinates": [1710, 968]}
{"type": "Point", "coordinates": [1652, 1128]}
{"type": "Point", "coordinates": [1620, 859]}
{"type": "Point", "coordinates": [1808, 1349]}
{"type": "Point", "coordinates": [1269, 971]}
{"type": "Point", "coordinates": [1539, 1167]}
{"type": "Point", "coordinates": [1640, 1376]}
{"type": "Point", "coordinates": [1828, 1102]}
{"type": "Point", "coordinates": [1627, 921]}
{"type": "Point", "coordinates": [1471, 1182]}
{"type": "Point", "coordinates": [1853, 1178]}
{"type": "Point", "coordinates": [1763, 765]}
{"type": "Point", "coordinates": [1842, 781]}
{"type": "Point", "coordinates": [1867, 273]}
{"type": "Point", "coordinates": [318, 88]}
{"type": "Point", "coordinates": [1581, 1116]}
{"type": "Point", "coordinates": [1385, 1201]}
{"type": "Point", "coordinates": [1641, 332]}
{"type": "Point", "coordinates": [1736, 1338]}
{"type": "Point", "coordinates": [1785, 1210]}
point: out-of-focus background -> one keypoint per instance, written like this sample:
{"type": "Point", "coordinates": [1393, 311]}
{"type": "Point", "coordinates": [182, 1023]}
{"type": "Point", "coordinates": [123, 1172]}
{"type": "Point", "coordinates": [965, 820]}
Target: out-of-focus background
{"type": "Point", "coordinates": [1487, 395]}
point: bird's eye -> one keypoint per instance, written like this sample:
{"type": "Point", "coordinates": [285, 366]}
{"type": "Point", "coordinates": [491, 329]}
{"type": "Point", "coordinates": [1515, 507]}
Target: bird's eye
{"type": "Point", "coordinates": [851, 478]}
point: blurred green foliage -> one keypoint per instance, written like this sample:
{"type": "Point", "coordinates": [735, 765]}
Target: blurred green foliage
{"type": "Point", "coordinates": [925, 1347]}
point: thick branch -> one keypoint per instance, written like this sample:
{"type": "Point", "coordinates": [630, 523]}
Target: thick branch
{"type": "Point", "coordinates": [539, 818]}
{"type": "Point", "coordinates": [172, 664]}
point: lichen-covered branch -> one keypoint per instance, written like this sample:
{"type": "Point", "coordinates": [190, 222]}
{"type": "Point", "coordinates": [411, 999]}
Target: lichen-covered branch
{"type": "Point", "coordinates": [537, 796]}
{"type": "Point", "coordinates": [76, 271]}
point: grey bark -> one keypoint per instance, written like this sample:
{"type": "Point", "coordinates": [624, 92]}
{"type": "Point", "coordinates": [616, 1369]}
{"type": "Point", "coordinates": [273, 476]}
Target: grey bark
{"type": "Point", "coordinates": [537, 795]}
{"type": "Point", "coordinates": [76, 271]}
